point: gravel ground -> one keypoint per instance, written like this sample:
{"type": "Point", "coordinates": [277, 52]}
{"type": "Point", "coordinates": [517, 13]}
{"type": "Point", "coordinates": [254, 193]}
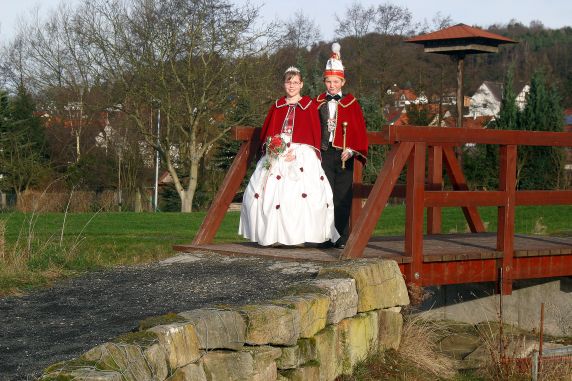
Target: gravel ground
{"type": "Point", "coordinates": [64, 321]}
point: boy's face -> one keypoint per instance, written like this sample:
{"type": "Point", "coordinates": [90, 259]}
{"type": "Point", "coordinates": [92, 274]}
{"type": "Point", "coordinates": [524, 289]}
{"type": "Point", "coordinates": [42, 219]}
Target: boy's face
{"type": "Point", "coordinates": [334, 84]}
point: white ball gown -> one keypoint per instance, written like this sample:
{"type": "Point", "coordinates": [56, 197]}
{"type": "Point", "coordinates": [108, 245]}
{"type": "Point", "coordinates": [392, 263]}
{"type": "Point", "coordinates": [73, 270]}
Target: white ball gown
{"type": "Point", "coordinates": [288, 199]}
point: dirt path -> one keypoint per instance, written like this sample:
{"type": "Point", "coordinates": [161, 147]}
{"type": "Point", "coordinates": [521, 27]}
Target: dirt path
{"type": "Point", "coordinates": [64, 321]}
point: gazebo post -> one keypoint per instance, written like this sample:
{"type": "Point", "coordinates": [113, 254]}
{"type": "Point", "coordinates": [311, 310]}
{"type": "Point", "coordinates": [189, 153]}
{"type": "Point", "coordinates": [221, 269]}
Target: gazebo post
{"type": "Point", "coordinates": [460, 97]}
{"type": "Point", "coordinates": [457, 41]}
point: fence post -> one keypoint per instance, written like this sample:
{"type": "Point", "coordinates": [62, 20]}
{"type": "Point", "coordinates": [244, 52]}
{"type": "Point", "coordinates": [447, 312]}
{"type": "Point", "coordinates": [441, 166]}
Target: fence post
{"type": "Point", "coordinates": [435, 180]}
{"type": "Point", "coordinates": [356, 202]}
{"type": "Point", "coordinates": [414, 212]}
{"type": "Point", "coordinates": [534, 366]}
{"type": "Point", "coordinates": [505, 233]}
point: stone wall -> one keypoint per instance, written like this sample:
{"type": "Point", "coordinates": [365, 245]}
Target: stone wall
{"type": "Point", "coordinates": [317, 331]}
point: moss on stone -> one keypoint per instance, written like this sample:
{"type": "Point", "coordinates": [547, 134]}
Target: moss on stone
{"type": "Point", "coordinates": [303, 288]}
{"type": "Point", "coordinates": [72, 365]}
{"type": "Point", "coordinates": [59, 377]}
{"type": "Point", "coordinates": [153, 321]}
{"type": "Point", "coordinates": [141, 338]}
{"type": "Point", "coordinates": [61, 371]}
{"type": "Point", "coordinates": [311, 363]}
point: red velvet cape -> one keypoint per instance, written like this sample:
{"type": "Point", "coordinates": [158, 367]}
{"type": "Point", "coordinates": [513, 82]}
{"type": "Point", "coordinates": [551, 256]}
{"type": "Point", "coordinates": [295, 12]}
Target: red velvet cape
{"type": "Point", "coordinates": [349, 111]}
{"type": "Point", "coordinates": [306, 123]}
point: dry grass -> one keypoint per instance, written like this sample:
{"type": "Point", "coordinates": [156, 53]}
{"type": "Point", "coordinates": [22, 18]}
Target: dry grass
{"type": "Point", "coordinates": [71, 201]}
{"type": "Point", "coordinates": [417, 294]}
{"type": "Point", "coordinates": [417, 359]}
{"type": "Point", "coordinates": [419, 346]}
{"type": "Point", "coordinates": [508, 358]}
{"type": "Point", "coordinates": [32, 259]}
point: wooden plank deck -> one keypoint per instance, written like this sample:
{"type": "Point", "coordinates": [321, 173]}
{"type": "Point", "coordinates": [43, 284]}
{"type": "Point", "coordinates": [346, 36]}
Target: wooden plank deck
{"type": "Point", "coordinates": [436, 248]}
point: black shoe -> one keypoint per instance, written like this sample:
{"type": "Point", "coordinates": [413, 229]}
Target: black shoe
{"type": "Point", "coordinates": [340, 244]}
{"type": "Point", "coordinates": [326, 245]}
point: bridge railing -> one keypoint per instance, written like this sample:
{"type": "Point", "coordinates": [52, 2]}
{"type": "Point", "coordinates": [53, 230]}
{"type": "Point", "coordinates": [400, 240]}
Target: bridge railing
{"type": "Point", "coordinates": [418, 148]}
{"type": "Point", "coordinates": [411, 146]}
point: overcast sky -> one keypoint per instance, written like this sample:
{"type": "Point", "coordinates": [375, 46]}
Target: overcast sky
{"type": "Point", "coordinates": [552, 13]}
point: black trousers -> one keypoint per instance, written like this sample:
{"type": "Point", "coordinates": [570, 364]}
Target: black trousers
{"type": "Point", "coordinates": [341, 181]}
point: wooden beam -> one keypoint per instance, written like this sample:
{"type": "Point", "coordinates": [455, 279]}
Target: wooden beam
{"type": "Point", "coordinates": [462, 48]}
{"type": "Point", "coordinates": [460, 98]}
{"type": "Point", "coordinates": [486, 270]}
{"type": "Point", "coordinates": [414, 213]}
{"type": "Point", "coordinates": [544, 197]}
{"type": "Point", "coordinates": [435, 182]}
{"type": "Point", "coordinates": [464, 198]}
{"type": "Point", "coordinates": [375, 204]}
{"type": "Point", "coordinates": [244, 133]}
{"type": "Point", "coordinates": [505, 233]}
{"type": "Point", "coordinates": [226, 192]}
{"type": "Point", "coordinates": [377, 138]}
{"type": "Point", "coordinates": [356, 187]}
{"type": "Point", "coordinates": [439, 135]}
{"type": "Point", "coordinates": [459, 183]}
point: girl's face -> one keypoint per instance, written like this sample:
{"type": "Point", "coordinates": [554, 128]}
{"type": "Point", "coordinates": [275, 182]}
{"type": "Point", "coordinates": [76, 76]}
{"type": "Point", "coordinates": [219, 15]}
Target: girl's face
{"type": "Point", "coordinates": [293, 86]}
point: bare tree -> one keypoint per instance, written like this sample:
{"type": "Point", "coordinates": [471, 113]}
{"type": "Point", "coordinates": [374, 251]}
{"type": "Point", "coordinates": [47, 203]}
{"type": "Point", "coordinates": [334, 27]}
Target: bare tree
{"type": "Point", "coordinates": [189, 58]}
{"type": "Point", "coordinates": [300, 31]}
{"type": "Point", "coordinates": [438, 22]}
{"type": "Point", "coordinates": [47, 57]}
{"type": "Point", "coordinates": [357, 22]}
{"type": "Point", "coordinates": [393, 20]}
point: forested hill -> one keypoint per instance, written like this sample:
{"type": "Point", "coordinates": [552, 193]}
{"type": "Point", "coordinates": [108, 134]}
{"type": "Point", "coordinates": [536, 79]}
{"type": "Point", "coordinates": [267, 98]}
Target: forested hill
{"type": "Point", "coordinates": [374, 62]}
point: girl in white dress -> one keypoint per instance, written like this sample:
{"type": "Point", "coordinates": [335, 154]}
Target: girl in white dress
{"type": "Point", "coordinates": [288, 199]}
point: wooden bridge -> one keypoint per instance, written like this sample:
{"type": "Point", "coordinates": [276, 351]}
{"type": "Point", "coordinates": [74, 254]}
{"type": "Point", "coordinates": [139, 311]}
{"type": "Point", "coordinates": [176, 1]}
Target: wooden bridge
{"type": "Point", "coordinates": [434, 258]}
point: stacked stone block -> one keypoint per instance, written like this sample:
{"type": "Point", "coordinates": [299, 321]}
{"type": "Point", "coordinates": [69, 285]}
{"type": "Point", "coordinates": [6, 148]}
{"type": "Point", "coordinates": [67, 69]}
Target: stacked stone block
{"type": "Point", "coordinates": [319, 330]}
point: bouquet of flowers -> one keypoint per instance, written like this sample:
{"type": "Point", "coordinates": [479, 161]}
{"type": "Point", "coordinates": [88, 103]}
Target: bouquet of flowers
{"type": "Point", "coordinates": [275, 146]}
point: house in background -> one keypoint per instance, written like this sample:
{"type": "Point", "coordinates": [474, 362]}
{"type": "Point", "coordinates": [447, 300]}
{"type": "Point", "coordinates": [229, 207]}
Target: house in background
{"type": "Point", "coordinates": [486, 101]}
{"type": "Point", "coordinates": [448, 98]}
{"type": "Point", "coordinates": [405, 97]}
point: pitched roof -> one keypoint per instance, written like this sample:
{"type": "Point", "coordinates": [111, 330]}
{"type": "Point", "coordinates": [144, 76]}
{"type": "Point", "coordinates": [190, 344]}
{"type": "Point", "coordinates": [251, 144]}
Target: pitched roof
{"type": "Point", "coordinates": [470, 122]}
{"type": "Point", "coordinates": [462, 31]}
{"type": "Point", "coordinates": [392, 115]}
{"type": "Point", "coordinates": [402, 120]}
{"type": "Point", "coordinates": [497, 88]}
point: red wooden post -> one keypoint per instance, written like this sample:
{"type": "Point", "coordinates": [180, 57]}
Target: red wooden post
{"type": "Point", "coordinates": [505, 233]}
{"type": "Point", "coordinates": [435, 182]}
{"type": "Point", "coordinates": [356, 201]}
{"type": "Point", "coordinates": [363, 229]}
{"type": "Point", "coordinates": [228, 189]}
{"type": "Point", "coordinates": [414, 212]}
{"type": "Point", "coordinates": [455, 173]}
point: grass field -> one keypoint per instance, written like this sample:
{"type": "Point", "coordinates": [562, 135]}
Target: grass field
{"type": "Point", "coordinates": [42, 247]}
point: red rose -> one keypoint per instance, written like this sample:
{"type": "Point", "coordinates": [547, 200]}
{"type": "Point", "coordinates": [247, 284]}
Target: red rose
{"type": "Point", "coordinates": [276, 141]}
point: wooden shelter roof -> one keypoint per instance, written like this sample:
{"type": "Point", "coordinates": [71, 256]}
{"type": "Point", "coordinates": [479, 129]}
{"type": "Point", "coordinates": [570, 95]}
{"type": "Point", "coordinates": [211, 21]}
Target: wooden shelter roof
{"type": "Point", "coordinates": [461, 39]}
{"type": "Point", "coordinates": [461, 31]}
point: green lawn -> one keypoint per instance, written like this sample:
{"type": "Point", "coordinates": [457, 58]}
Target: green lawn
{"type": "Point", "coordinates": [36, 251]}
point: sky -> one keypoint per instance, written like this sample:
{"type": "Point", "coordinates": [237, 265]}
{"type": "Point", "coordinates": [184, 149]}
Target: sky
{"type": "Point", "coordinates": [483, 13]}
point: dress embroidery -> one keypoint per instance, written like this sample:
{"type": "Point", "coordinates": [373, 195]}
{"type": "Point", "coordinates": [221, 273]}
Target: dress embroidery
{"type": "Point", "coordinates": [288, 126]}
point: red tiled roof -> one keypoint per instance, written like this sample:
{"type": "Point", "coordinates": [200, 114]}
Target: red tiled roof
{"type": "Point", "coordinates": [392, 116]}
{"type": "Point", "coordinates": [403, 120]}
{"type": "Point", "coordinates": [409, 94]}
{"type": "Point", "coordinates": [460, 31]}
{"type": "Point", "coordinates": [470, 122]}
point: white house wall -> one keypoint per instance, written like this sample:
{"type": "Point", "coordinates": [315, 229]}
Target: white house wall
{"type": "Point", "coordinates": [483, 102]}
